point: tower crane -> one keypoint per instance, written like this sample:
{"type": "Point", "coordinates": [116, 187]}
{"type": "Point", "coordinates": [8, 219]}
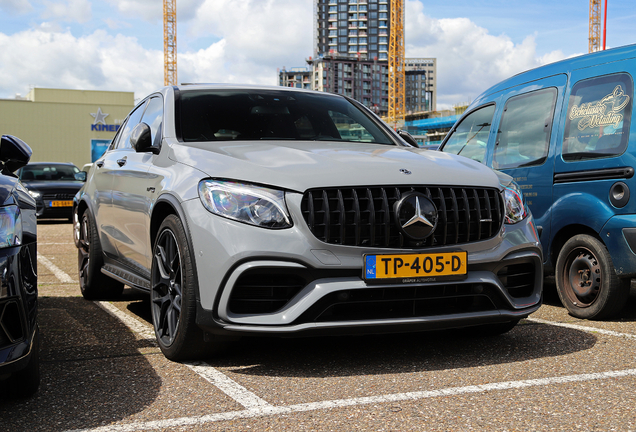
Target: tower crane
{"type": "Point", "coordinates": [397, 78]}
{"type": "Point", "coordinates": [595, 26]}
{"type": "Point", "coordinates": [169, 42]}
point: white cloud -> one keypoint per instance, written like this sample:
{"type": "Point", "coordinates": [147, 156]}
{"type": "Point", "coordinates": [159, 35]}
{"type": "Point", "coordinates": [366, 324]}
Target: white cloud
{"type": "Point", "coordinates": [152, 10]}
{"type": "Point", "coordinates": [94, 62]}
{"type": "Point", "coordinates": [69, 10]}
{"type": "Point", "coordinates": [15, 6]}
{"type": "Point", "coordinates": [469, 59]}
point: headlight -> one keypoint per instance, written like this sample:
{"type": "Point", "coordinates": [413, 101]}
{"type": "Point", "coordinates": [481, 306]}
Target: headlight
{"type": "Point", "coordinates": [35, 194]}
{"type": "Point", "coordinates": [247, 203]}
{"type": "Point", "coordinates": [10, 226]}
{"type": "Point", "coordinates": [515, 208]}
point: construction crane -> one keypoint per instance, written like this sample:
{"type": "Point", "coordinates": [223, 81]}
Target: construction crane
{"type": "Point", "coordinates": [595, 26]}
{"type": "Point", "coordinates": [397, 78]}
{"type": "Point", "coordinates": [169, 42]}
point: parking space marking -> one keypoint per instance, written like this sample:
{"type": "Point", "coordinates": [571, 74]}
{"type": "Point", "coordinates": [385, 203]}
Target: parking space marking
{"type": "Point", "coordinates": [231, 388]}
{"type": "Point", "coordinates": [143, 330]}
{"type": "Point", "coordinates": [343, 403]}
{"type": "Point", "coordinates": [59, 273]}
{"type": "Point", "coordinates": [583, 328]}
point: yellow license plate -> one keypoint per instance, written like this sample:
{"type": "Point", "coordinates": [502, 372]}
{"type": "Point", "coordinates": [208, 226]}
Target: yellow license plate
{"type": "Point", "coordinates": [404, 266]}
{"type": "Point", "coordinates": [61, 204]}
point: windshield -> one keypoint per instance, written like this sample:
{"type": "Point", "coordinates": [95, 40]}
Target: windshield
{"type": "Point", "coordinates": [225, 115]}
{"type": "Point", "coordinates": [49, 172]}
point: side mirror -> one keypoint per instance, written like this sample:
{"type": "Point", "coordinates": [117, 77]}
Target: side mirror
{"type": "Point", "coordinates": [14, 153]}
{"type": "Point", "coordinates": [80, 176]}
{"type": "Point", "coordinates": [407, 137]}
{"type": "Point", "coordinates": [141, 139]}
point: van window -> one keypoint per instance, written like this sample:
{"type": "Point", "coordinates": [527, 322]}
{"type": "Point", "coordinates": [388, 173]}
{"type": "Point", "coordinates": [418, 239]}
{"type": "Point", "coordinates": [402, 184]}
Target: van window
{"type": "Point", "coordinates": [599, 117]}
{"type": "Point", "coordinates": [523, 137]}
{"type": "Point", "coordinates": [470, 137]}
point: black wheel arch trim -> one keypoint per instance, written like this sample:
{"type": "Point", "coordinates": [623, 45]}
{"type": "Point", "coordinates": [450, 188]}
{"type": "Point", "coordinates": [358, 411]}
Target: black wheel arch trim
{"type": "Point", "coordinates": [175, 203]}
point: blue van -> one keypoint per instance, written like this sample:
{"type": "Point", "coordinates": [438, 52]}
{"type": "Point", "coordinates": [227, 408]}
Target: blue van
{"type": "Point", "coordinates": [563, 131]}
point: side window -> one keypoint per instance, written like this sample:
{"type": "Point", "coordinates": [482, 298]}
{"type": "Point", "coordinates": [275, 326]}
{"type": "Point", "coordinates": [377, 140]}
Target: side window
{"type": "Point", "coordinates": [470, 137]}
{"type": "Point", "coordinates": [133, 119]}
{"type": "Point", "coordinates": [523, 137]}
{"type": "Point", "coordinates": [599, 117]}
{"type": "Point", "coordinates": [153, 118]}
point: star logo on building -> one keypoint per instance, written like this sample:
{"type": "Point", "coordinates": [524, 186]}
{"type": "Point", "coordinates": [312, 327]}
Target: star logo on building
{"type": "Point", "coordinates": [99, 116]}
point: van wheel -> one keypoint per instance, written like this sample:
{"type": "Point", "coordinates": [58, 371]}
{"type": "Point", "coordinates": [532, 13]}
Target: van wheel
{"type": "Point", "coordinates": [586, 279]}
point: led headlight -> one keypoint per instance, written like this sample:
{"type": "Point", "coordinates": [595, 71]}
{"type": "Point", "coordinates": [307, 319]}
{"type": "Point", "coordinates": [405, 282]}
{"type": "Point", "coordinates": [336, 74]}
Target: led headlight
{"type": "Point", "coordinates": [255, 205]}
{"type": "Point", "coordinates": [35, 194]}
{"type": "Point", "coordinates": [515, 208]}
{"type": "Point", "coordinates": [10, 226]}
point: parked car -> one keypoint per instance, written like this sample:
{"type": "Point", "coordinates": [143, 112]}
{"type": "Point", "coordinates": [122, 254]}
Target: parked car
{"type": "Point", "coordinates": [53, 185]}
{"type": "Point", "coordinates": [19, 335]}
{"type": "Point", "coordinates": [562, 131]}
{"type": "Point", "coordinates": [257, 211]}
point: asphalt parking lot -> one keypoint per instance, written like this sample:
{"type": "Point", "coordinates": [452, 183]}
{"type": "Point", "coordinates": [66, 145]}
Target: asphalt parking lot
{"type": "Point", "coordinates": [101, 371]}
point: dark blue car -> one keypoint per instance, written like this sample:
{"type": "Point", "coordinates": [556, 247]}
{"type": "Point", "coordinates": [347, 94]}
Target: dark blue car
{"type": "Point", "coordinates": [19, 337]}
{"type": "Point", "coordinates": [564, 133]}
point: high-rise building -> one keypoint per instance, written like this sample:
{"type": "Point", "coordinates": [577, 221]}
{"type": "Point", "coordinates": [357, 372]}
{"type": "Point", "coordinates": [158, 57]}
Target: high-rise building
{"type": "Point", "coordinates": [298, 77]}
{"type": "Point", "coordinates": [421, 84]}
{"type": "Point", "coordinates": [351, 48]}
{"type": "Point", "coordinates": [358, 28]}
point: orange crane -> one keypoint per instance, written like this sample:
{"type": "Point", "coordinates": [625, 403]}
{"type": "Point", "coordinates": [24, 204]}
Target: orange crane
{"type": "Point", "coordinates": [595, 26]}
{"type": "Point", "coordinates": [397, 78]}
{"type": "Point", "coordinates": [169, 42]}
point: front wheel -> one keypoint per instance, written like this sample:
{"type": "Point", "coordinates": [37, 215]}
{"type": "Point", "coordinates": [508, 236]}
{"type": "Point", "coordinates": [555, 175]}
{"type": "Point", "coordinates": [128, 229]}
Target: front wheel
{"type": "Point", "coordinates": [172, 294]}
{"type": "Point", "coordinates": [586, 280]}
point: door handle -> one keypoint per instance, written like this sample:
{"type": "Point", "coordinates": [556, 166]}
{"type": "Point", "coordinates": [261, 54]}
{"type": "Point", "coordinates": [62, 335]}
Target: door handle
{"type": "Point", "coordinates": [121, 162]}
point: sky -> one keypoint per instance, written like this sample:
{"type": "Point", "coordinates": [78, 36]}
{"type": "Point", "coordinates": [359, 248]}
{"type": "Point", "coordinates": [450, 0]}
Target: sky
{"type": "Point", "coordinates": [117, 45]}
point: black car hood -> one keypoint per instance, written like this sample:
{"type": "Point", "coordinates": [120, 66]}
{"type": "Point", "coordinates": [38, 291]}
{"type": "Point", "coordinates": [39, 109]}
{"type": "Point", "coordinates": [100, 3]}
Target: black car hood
{"type": "Point", "coordinates": [7, 185]}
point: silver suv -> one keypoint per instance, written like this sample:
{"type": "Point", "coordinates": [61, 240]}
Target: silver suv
{"type": "Point", "coordinates": [273, 211]}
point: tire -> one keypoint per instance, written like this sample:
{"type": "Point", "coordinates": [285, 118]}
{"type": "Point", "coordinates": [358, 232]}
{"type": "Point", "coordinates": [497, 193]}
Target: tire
{"type": "Point", "coordinates": [26, 382]}
{"type": "Point", "coordinates": [93, 283]}
{"type": "Point", "coordinates": [586, 280]}
{"type": "Point", "coordinates": [173, 290]}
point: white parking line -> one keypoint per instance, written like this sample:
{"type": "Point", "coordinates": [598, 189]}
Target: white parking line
{"type": "Point", "coordinates": [231, 388]}
{"type": "Point", "coordinates": [342, 403]}
{"type": "Point", "coordinates": [583, 328]}
{"type": "Point", "coordinates": [63, 277]}
{"type": "Point", "coordinates": [141, 329]}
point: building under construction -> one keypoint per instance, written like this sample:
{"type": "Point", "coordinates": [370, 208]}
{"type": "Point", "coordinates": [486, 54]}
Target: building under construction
{"type": "Point", "coordinates": [351, 47]}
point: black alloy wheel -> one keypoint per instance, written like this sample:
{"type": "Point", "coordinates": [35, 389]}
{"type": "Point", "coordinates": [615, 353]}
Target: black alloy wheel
{"type": "Point", "coordinates": [586, 279]}
{"type": "Point", "coordinates": [173, 288]}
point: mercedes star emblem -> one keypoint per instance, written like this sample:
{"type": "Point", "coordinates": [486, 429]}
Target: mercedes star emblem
{"type": "Point", "coordinates": [416, 216]}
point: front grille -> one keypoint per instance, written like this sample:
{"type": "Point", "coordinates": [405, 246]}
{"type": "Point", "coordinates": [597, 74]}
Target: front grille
{"type": "Point", "coordinates": [402, 302]}
{"type": "Point", "coordinates": [518, 279]}
{"type": "Point", "coordinates": [365, 216]}
{"type": "Point", "coordinates": [58, 196]}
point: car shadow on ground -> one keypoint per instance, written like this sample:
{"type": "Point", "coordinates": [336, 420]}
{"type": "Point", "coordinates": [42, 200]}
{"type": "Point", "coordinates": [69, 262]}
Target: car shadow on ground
{"type": "Point", "coordinates": [92, 371]}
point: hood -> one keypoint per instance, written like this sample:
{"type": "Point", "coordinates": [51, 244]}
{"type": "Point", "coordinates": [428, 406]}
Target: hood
{"type": "Point", "coordinates": [302, 165]}
{"type": "Point", "coordinates": [51, 185]}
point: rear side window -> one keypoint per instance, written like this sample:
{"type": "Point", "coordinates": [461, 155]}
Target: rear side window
{"type": "Point", "coordinates": [470, 137]}
{"type": "Point", "coordinates": [599, 117]}
{"type": "Point", "coordinates": [523, 137]}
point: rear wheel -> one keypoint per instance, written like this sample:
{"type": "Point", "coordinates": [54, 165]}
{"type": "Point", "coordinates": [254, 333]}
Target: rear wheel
{"type": "Point", "coordinates": [586, 280]}
{"type": "Point", "coordinates": [172, 295]}
{"type": "Point", "coordinates": [93, 283]}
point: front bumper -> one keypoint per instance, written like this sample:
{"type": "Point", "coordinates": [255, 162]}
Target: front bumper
{"type": "Point", "coordinates": [286, 282]}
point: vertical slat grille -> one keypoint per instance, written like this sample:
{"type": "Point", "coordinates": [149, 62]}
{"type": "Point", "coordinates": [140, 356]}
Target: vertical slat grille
{"type": "Point", "coordinates": [365, 216]}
